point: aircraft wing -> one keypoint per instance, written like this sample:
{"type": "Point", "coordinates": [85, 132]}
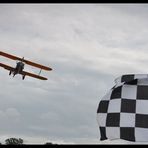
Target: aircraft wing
{"type": "Point", "coordinates": [26, 61]}
{"type": "Point", "coordinates": [37, 65]}
{"type": "Point", "coordinates": [7, 67]}
{"type": "Point", "coordinates": [33, 75]}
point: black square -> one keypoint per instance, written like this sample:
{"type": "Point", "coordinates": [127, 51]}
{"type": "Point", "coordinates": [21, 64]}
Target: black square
{"type": "Point", "coordinates": [103, 133]}
{"type": "Point", "coordinates": [126, 78]}
{"type": "Point", "coordinates": [127, 133]}
{"type": "Point", "coordinates": [141, 121]}
{"type": "Point", "coordinates": [142, 92]}
{"type": "Point", "coordinates": [113, 120]}
{"type": "Point", "coordinates": [132, 82]}
{"type": "Point", "coordinates": [116, 93]}
{"type": "Point", "coordinates": [103, 106]}
{"type": "Point", "coordinates": [128, 106]}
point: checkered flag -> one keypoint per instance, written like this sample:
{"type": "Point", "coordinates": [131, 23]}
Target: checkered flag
{"type": "Point", "coordinates": [123, 112]}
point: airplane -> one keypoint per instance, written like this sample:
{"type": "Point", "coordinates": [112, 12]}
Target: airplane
{"type": "Point", "coordinates": [19, 69]}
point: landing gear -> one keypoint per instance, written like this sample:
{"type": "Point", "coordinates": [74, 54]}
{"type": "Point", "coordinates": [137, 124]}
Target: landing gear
{"type": "Point", "coordinates": [10, 72]}
{"type": "Point", "coordinates": [23, 77]}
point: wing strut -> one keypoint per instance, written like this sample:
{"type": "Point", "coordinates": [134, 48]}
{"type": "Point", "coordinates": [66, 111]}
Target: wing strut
{"type": "Point", "coordinates": [40, 71]}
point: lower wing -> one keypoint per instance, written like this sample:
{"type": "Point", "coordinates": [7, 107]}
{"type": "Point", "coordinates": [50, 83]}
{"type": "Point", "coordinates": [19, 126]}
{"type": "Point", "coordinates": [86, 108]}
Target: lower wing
{"type": "Point", "coordinates": [7, 67]}
{"type": "Point", "coordinates": [33, 75]}
{"type": "Point", "coordinates": [23, 72]}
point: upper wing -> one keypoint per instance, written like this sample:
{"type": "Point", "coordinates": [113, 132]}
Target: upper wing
{"type": "Point", "coordinates": [26, 61]}
{"type": "Point", "coordinates": [7, 67]}
{"type": "Point", "coordinates": [33, 75]}
{"type": "Point", "coordinates": [9, 56]}
{"type": "Point", "coordinates": [37, 65]}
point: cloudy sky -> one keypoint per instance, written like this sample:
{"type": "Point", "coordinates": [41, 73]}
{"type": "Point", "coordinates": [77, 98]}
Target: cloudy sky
{"type": "Point", "coordinates": [87, 45]}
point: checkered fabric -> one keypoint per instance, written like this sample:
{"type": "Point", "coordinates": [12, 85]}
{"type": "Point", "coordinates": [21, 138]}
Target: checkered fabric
{"type": "Point", "coordinates": [123, 112]}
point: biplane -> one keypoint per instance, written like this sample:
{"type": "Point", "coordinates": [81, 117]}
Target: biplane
{"type": "Point", "coordinates": [19, 69]}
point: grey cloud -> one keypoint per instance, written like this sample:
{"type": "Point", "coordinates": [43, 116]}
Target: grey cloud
{"type": "Point", "coordinates": [87, 46]}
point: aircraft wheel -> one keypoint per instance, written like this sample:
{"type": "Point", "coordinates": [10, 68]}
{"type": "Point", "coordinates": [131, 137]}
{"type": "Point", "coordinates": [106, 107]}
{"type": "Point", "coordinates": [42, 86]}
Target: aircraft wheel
{"type": "Point", "coordinates": [10, 72]}
{"type": "Point", "coordinates": [23, 77]}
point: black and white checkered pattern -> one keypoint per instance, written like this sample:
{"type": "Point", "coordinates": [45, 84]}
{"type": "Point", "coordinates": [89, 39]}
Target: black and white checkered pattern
{"type": "Point", "coordinates": [123, 112]}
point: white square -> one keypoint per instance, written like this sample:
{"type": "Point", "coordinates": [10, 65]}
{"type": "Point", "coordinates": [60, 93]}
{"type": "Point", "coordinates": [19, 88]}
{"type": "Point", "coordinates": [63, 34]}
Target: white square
{"type": "Point", "coordinates": [101, 119]}
{"type": "Point", "coordinates": [129, 92]}
{"type": "Point", "coordinates": [113, 132]}
{"type": "Point", "coordinates": [143, 81]}
{"type": "Point", "coordinates": [142, 106]}
{"type": "Point", "coordinates": [139, 76]}
{"type": "Point", "coordinates": [141, 134]}
{"type": "Point", "coordinates": [127, 120]}
{"type": "Point", "coordinates": [114, 106]}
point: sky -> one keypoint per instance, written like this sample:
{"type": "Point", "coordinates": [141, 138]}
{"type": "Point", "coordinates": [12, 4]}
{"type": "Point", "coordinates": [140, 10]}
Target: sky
{"type": "Point", "coordinates": [87, 46]}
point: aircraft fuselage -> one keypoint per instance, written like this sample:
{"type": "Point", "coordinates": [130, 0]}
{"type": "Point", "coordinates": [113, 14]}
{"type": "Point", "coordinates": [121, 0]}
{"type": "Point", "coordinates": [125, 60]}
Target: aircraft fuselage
{"type": "Point", "coordinates": [18, 69]}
